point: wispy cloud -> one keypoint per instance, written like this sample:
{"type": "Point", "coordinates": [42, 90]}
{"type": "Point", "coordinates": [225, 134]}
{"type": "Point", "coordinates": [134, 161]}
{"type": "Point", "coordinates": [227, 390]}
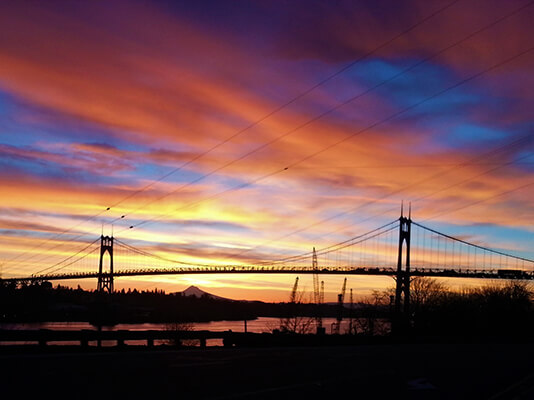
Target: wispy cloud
{"type": "Point", "coordinates": [98, 103]}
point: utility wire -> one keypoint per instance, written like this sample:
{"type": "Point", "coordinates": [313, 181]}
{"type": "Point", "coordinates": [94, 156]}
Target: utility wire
{"type": "Point", "coordinates": [255, 123]}
{"type": "Point", "coordinates": [324, 149]}
{"type": "Point", "coordinates": [471, 162]}
{"type": "Point", "coordinates": [469, 179]}
{"type": "Point", "coordinates": [382, 121]}
{"type": "Point", "coordinates": [472, 77]}
{"type": "Point", "coordinates": [305, 124]}
{"type": "Point", "coordinates": [499, 166]}
{"type": "Point", "coordinates": [520, 141]}
{"type": "Point", "coordinates": [276, 110]}
{"type": "Point", "coordinates": [56, 236]}
{"type": "Point", "coordinates": [320, 116]}
{"type": "Point", "coordinates": [395, 166]}
{"type": "Point", "coordinates": [349, 242]}
{"type": "Point", "coordinates": [520, 187]}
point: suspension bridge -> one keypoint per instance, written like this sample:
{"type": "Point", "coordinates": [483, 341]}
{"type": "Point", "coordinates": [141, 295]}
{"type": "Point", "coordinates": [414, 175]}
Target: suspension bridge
{"type": "Point", "coordinates": [402, 249]}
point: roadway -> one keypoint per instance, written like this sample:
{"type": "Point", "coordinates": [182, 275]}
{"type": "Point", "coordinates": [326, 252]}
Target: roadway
{"type": "Point", "coordinates": [407, 371]}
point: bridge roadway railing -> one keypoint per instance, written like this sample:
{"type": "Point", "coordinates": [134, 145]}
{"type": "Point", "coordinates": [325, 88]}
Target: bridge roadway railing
{"type": "Point", "coordinates": [337, 270]}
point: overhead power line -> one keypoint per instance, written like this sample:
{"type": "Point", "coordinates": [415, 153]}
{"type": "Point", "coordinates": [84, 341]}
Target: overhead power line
{"type": "Point", "coordinates": [390, 117]}
{"type": "Point", "coordinates": [464, 206]}
{"type": "Point", "coordinates": [253, 124]}
{"type": "Point", "coordinates": [508, 146]}
{"type": "Point", "coordinates": [343, 140]}
{"type": "Point", "coordinates": [348, 137]}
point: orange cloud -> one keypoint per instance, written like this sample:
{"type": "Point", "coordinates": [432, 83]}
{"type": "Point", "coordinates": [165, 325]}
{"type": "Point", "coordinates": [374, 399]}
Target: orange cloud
{"type": "Point", "coordinates": [166, 95]}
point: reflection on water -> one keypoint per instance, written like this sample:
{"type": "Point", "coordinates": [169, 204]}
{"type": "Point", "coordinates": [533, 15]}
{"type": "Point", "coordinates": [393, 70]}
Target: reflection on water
{"type": "Point", "coordinates": [263, 324]}
{"type": "Point", "coordinates": [259, 325]}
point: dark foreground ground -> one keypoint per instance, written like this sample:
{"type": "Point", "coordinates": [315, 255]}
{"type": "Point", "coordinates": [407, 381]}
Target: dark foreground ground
{"type": "Point", "coordinates": [405, 371]}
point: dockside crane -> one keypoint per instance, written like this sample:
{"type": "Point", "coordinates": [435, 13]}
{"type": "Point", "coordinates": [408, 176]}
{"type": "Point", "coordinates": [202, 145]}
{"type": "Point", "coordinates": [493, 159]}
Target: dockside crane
{"type": "Point", "coordinates": [315, 268]}
{"type": "Point", "coordinates": [352, 327]}
{"type": "Point", "coordinates": [318, 293]}
{"type": "Point", "coordinates": [340, 299]}
{"type": "Point", "coordinates": [293, 295]}
{"type": "Point", "coordinates": [287, 324]}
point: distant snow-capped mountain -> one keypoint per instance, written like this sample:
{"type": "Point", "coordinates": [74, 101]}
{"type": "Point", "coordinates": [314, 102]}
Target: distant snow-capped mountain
{"type": "Point", "coordinates": [195, 291]}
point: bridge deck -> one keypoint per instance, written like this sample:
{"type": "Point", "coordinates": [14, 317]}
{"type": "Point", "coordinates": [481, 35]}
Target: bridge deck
{"type": "Point", "coordinates": [430, 272]}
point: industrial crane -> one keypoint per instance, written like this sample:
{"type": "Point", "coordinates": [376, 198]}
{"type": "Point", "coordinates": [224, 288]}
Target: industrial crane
{"type": "Point", "coordinates": [318, 292]}
{"type": "Point", "coordinates": [315, 268]}
{"type": "Point", "coordinates": [293, 296]}
{"type": "Point", "coordinates": [352, 327]}
{"type": "Point", "coordinates": [340, 299]}
{"type": "Point", "coordinates": [287, 323]}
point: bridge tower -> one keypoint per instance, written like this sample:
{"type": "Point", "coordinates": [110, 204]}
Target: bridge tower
{"type": "Point", "coordinates": [105, 279]}
{"type": "Point", "coordinates": [402, 290]}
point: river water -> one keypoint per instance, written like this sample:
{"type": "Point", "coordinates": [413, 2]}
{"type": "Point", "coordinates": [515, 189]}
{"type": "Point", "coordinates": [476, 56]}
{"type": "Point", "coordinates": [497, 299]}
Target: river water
{"type": "Point", "coordinates": [259, 325]}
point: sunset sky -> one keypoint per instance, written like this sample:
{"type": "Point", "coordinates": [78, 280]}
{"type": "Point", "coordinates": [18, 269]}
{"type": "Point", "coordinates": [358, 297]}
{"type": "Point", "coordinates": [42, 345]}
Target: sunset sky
{"type": "Point", "coordinates": [245, 131]}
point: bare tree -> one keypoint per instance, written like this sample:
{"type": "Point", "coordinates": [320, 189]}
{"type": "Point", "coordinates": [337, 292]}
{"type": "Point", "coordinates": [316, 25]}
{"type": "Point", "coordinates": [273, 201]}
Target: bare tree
{"type": "Point", "coordinates": [177, 328]}
{"type": "Point", "coordinates": [424, 291]}
{"type": "Point", "coordinates": [294, 322]}
{"type": "Point", "coordinates": [372, 320]}
{"type": "Point", "coordinates": [297, 324]}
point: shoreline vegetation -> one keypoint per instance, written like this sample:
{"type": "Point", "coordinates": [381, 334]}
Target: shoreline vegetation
{"type": "Point", "coordinates": [43, 302]}
{"type": "Point", "coordinates": [502, 309]}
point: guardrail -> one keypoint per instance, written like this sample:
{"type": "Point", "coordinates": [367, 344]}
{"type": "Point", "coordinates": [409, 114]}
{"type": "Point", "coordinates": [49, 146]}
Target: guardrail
{"type": "Point", "coordinates": [44, 337]}
{"type": "Point", "coordinates": [85, 336]}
